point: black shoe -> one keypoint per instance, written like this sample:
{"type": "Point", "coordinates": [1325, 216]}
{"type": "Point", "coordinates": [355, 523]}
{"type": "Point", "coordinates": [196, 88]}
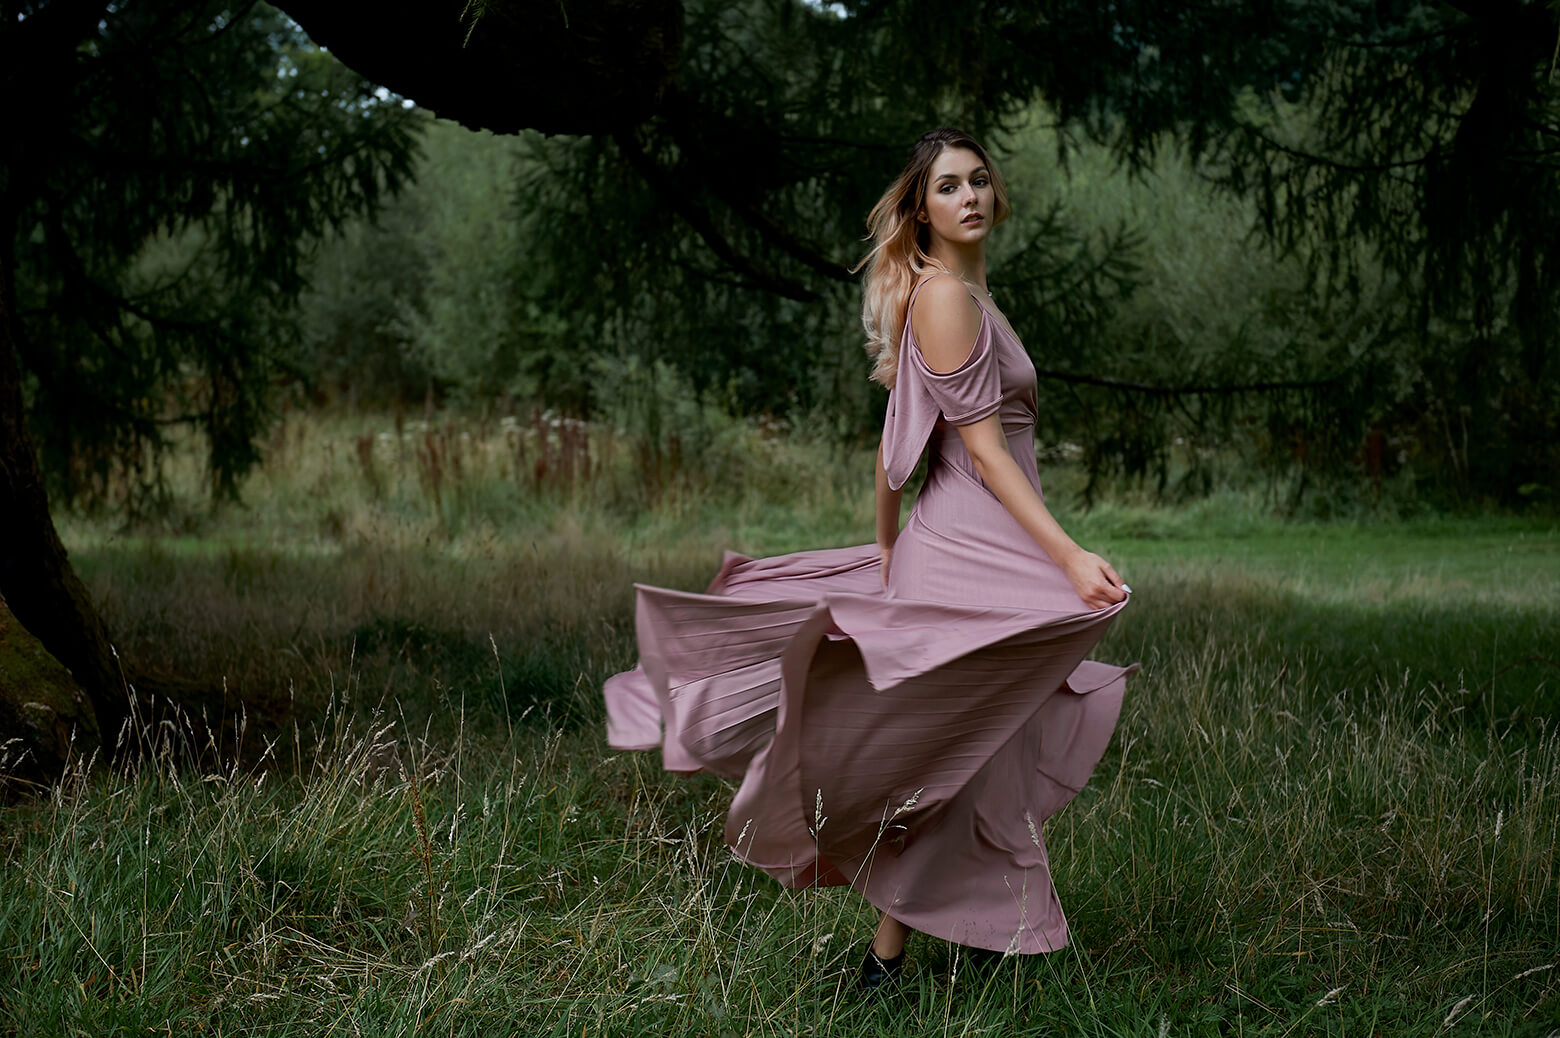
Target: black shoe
{"type": "Point", "coordinates": [878, 973]}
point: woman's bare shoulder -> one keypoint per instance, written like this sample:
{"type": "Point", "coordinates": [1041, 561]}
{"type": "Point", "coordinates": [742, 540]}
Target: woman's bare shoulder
{"type": "Point", "coordinates": [945, 319]}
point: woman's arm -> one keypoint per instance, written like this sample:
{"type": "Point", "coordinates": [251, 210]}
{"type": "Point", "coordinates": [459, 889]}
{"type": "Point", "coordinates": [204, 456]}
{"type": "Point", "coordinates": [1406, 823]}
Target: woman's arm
{"type": "Point", "coordinates": [947, 322]}
{"type": "Point", "coordinates": [886, 505]}
{"type": "Point", "coordinates": [1096, 582]}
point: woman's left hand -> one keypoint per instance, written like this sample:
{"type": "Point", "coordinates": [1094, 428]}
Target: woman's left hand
{"type": "Point", "coordinates": [1095, 580]}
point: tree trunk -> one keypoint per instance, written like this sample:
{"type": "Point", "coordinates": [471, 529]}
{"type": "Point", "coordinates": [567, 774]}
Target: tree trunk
{"type": "Point", "coordinates": [46, 724]}
{"type": "Point", "coordinates": [36, 579]}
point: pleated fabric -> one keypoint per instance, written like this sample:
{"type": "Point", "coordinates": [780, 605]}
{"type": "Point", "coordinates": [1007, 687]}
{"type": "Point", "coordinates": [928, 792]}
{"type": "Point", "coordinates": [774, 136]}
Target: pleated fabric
{"type": "Point", "coordinates": [908, 740]}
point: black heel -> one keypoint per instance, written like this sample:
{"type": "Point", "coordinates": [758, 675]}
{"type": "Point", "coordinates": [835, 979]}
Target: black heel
{"type": "Point", "coordinates": [878, 973]}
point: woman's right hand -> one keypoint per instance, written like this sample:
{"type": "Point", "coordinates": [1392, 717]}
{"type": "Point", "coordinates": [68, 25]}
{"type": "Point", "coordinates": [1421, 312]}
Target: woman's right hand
{"type": "Point", "coordinates": [885, 554]}
{"type": "Point", "coordinates": [1095, 580]}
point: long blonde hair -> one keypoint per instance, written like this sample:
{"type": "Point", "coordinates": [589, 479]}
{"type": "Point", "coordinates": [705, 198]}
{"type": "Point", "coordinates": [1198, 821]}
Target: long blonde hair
{"type": "Point", "coordinates": [899, 257]}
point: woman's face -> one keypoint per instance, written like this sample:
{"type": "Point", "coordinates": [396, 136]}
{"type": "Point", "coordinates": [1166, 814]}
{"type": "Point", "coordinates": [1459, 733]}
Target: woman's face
{"type": "Point", "coordinates": [960, 201]}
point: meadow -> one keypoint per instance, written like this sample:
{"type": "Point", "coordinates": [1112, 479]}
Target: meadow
{"type": "Point", "coordinates": [1332, 805]}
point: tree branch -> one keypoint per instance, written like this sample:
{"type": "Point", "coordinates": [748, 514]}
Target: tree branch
{"type": "Point", "coordinates": [702, 225]}
{"type": "Point", "coordinates": [771, 232]}
{"type": "Point", "coordinates": [1177, 392]}
{"type": "Point", "coordinates": [559, 66]}
{"type": "Point", "coordinates": [1345, 167]}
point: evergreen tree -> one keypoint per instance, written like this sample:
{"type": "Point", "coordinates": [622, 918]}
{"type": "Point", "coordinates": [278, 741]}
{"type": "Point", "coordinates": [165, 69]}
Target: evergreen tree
{"type": "Point", "coordinates": [167, 167]}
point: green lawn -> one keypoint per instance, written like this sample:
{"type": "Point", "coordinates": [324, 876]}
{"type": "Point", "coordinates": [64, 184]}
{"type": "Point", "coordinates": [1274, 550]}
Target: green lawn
{"type": "Point", "coordinates": [1332, 804]}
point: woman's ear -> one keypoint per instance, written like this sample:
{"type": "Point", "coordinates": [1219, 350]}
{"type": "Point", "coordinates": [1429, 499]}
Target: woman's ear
{"type": "Point", "coordinates": [921, 216]}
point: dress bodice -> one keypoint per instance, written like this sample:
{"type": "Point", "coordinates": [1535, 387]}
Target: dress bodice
{"type": "Point", "coordinates": [926, 406]}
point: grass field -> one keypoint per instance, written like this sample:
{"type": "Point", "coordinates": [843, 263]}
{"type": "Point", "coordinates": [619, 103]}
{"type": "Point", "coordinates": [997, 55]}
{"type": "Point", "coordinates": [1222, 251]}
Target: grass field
{"type": "Point", "coordinates": [1332, 804]}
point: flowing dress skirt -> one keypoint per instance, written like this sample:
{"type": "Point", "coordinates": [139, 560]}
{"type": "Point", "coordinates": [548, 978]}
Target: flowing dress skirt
{"type": "Point", "coordinates": [908, 740]}
{"type": "Point", "coordinates": [911, 749]}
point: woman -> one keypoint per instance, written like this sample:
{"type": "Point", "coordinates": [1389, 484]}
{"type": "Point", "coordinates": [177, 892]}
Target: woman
{"type": "Point", "coordinates": [903, 716]}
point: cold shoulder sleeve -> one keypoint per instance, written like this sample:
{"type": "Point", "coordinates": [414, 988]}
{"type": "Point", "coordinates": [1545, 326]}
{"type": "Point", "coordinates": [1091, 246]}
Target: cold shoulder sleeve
{"type": "Point", "coordinates": [920, 395]}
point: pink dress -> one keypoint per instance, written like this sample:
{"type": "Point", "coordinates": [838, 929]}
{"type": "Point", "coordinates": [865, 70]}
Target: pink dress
{"type": "Point", "coordinates": [907, 741]}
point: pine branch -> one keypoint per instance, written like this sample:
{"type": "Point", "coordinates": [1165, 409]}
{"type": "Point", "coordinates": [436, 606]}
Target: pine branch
{"type": "Point", "coordinates": [1344, 167]}
{"type": "Point", "coordinates": [1391, 44]}
{"type": "Point", "coordinates": [1179, 392]}
{"type": "Point", "coordinates": [233, 19]}
{"type": "Point", "coordinates": [720, 186]}
{"type": "Point", "coordinates": [702, 225]}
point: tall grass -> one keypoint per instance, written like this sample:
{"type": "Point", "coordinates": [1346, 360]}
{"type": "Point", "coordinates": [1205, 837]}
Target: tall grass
{"type": "Point", "coordinates": [1327, 808]}
{"type": "Point", "coordinates": [1255, 855]}
{"type": "Point", "coordinates": [400, 548]}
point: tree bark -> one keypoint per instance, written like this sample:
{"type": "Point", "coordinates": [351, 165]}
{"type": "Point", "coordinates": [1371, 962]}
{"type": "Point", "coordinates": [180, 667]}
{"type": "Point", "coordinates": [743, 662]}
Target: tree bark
{"type": "Point", "coordinates": [46, 724]}
{"type": "Point", "coordinates": [36, 579]}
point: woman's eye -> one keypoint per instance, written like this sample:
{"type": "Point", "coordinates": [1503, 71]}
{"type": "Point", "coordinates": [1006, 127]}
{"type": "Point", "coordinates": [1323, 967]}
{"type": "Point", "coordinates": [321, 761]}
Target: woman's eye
{"type": "Point", "coordinates": [980, 181]}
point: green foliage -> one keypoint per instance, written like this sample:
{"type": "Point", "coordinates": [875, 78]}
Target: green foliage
{"type": "Point", "coordinates": [1153, 385]}
{"type": "Point", "coordinates": [464, 330]}
{"type": "Point", "coordinates": [441, 293]}
{"type": "Point", "coordinates": [1397, 159]}
{"type": "Point", "coordinates": [353, 344]}
{"type": "Point", "coordinates": [174, 166]}
{"type": "Point", "coordinates": [1396, 162]}
{"type": "Point", "coordinates": [1145, 283]}
{"type": "Point", "coordinates": [1428, 143]}
{"type": "Point", "coordinates": [719, 235]}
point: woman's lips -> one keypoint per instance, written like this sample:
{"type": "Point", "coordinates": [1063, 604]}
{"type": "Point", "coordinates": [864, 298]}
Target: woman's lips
{"type": "Point", "coordinates": [973, 218]}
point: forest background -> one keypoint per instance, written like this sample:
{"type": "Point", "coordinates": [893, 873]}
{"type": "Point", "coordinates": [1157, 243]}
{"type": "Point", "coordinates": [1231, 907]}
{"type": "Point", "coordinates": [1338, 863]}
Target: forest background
{"type": "Point", "coordinates": [358, 425]}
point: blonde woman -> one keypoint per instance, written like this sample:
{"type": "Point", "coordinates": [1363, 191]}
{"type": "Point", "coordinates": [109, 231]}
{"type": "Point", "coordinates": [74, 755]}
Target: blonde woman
{"type": "Point", "coordinates": [903, 717]}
